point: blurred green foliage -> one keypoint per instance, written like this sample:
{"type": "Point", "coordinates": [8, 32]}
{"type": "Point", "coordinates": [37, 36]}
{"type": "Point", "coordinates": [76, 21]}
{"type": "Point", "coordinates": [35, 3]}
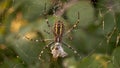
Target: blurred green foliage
{"type": "Point", "coordinates": [96, 37]}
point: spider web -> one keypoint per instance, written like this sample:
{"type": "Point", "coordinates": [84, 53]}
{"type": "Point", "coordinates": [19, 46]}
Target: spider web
{"type": "Point", "coordinates": [109, 33]}
{"type": "Point", "coordinates": [104, 10]}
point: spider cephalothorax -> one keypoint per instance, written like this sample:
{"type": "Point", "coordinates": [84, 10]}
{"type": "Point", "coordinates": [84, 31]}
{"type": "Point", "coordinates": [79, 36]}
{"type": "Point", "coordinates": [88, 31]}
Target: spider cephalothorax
{"type": "Point", "coordinates": [58, 31]}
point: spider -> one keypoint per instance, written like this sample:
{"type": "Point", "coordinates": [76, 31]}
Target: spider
{"type": "Point", "coordinates": [56, 44]}
{"type": "Point", "coordinates": [59, 33]}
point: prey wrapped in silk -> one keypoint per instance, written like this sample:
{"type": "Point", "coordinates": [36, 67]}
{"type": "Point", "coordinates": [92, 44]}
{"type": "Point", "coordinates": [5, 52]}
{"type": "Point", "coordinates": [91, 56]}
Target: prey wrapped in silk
{"type": "Point", "coordinates": [58, 51]}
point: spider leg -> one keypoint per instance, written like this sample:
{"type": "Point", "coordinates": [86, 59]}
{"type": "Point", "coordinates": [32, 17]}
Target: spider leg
{"type": "Point", "coordinates": [38, 40]}
{"type": "Point", "coordinates": [47, 32]}
{"type": "Point", "coordinates": [67, 45]}
{"type": "Point", "coordinates": [47, 21]}
{"type": "Point", "coordinates": [44, 49]}
{"type": "Point", "coordinates": [48, 24]}
{"type": "Point", "coordinates": [75, 25]}
{"type": "Point", "coordinates": [45, 14]}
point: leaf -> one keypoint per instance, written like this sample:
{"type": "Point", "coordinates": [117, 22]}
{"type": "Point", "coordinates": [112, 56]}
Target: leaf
{"type": "Point", "coordinates": [86, 13]}
{"type": "Point", "coordinates": [118, 21]}
{"type": "Point", "coordinates": [96, 61]}
{"type": "Point", "coordinates": [32, 9]}
{"type": "Point", "coordinates": [93, 61]}
{"type": "Point", "coordinates": [115, 57]}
